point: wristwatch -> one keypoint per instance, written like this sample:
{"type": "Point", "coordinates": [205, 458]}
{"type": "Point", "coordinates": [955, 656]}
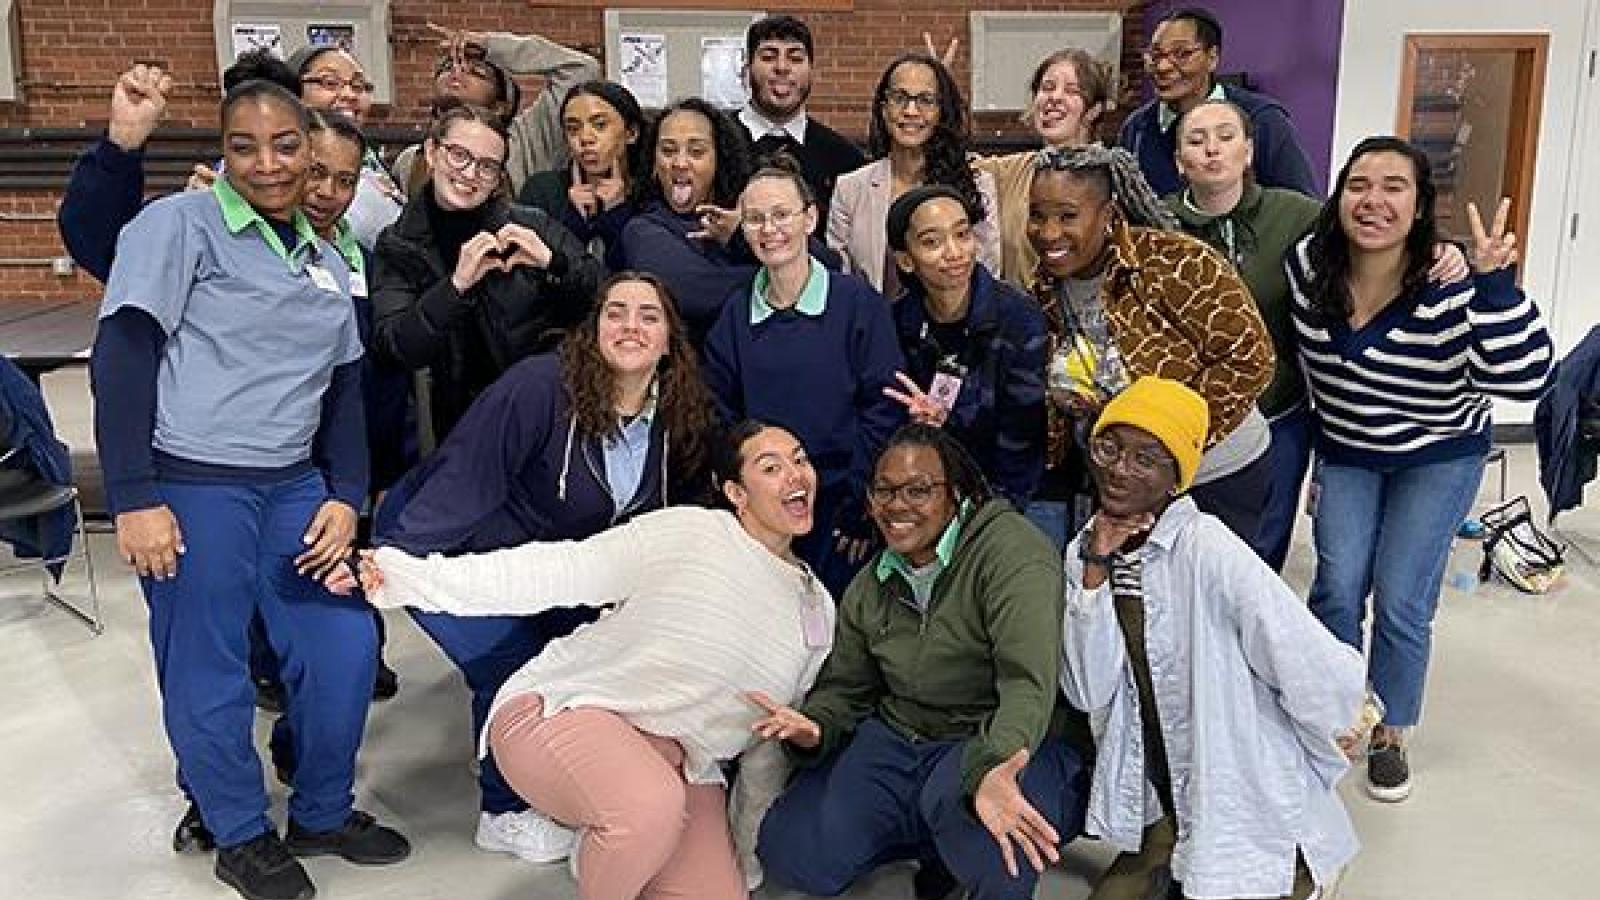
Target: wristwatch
{"type": "Point", "coordinates": [1094, 559]}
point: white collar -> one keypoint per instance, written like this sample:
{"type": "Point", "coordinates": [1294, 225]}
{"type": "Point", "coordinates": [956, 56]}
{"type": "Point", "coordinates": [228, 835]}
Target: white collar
{"type": "Point", "coordinates": [760, 126]}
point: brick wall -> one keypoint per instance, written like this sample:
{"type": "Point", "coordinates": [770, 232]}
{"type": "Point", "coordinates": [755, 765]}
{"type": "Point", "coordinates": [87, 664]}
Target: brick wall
{"type": "Point", "coordinates": [72, 50]}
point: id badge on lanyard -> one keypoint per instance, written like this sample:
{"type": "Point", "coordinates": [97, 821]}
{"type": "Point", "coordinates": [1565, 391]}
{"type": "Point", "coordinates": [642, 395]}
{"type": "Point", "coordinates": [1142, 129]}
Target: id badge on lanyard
{"type": "Point", "coordinates": [946, 385]}
{"type": "Point", "coordinates": [813, 616]}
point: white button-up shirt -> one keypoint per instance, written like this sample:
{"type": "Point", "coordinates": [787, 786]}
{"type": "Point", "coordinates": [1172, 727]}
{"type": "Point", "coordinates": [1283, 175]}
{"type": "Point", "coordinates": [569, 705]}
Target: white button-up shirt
{"type": "Point", "coordinates": [1252, 692]}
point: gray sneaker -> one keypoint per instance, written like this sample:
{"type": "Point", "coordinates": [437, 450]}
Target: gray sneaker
{"type": "Point", "coordinates": [1388, 773]}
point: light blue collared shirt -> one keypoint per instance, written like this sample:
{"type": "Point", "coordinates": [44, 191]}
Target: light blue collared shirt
{"type": "Point", "coordinates": [813, 298]}
{"type": "Point", "coordinates": [627, 451]}
{"type": "Point", "coordinates": [1251, 692]}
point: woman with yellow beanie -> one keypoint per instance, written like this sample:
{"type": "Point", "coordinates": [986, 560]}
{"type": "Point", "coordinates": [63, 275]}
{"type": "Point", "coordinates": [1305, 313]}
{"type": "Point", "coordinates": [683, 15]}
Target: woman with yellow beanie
{"type": "Point", "coordinates": [1217, 700]}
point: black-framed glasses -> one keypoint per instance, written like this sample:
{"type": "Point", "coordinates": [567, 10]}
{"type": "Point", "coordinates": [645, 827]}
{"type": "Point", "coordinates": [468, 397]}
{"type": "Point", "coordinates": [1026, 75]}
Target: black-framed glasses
{"type": "Point", "coordinates": [1179, 54]}
{"type": "Point", "coordinates": [463, 160]}
{"type": "Point", "coordinates": [916, 493]}
{"type": "Point", "coordinates": [473, 61]}
{"type": "Point", "coordinates": [334, 84]}
{"type": "Point", "coordinates": [1142, 462]}
{"type": "Point", "coordinates": [901, 99]}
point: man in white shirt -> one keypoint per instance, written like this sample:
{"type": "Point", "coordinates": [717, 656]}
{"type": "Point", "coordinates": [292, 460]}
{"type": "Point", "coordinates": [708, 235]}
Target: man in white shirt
{"type": "Point", "coordinates": [778, 54]}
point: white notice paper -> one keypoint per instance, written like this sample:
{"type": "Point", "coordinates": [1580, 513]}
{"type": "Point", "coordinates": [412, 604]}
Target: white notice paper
{"type": "Point", "coordinates": [722, 71]}
{"type": "Point", "coordinates": [644, 68]}
{"type": "Point", "coordinates": [248, 37]}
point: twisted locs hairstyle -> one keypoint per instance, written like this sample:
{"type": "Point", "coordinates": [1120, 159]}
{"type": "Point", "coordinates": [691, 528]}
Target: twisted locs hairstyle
{"type": "Point", "coordinates": [1329, 249]}
{"type": "Point", "coordinates": [1117, 174]}
{"type": "Point", "coordinates": [683, 402]}
{"type": "Point", "coordinates": [966, 477]}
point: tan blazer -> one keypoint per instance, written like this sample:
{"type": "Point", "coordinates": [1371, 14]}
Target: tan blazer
{"type": "Point", "coordinates": [859, 214]}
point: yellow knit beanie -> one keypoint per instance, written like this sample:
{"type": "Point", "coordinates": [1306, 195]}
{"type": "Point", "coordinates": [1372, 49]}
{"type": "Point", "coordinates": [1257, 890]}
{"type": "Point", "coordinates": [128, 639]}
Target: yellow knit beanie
{"type": "Point", "coordinates": [1171, 412]}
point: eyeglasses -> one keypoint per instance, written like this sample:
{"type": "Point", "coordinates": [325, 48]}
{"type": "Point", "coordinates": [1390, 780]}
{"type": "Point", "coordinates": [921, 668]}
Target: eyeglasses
{"type": "Point", "coordinates": [334, 84]}
{"type": "Point", "coordinates": [900, 99]}
{"type": "Point", "coordinates": [915, 493]}
{"type": "Point", "coordinates": [1178, 54]}
{"type": "Point", "coordinates": [462, 160]}
{"type": "Point", "coordinates": [343, 180]}
{"type": "Point", "coordinates": [779, 219]}
{"type": "Point", "coordinates": [1143, 462]}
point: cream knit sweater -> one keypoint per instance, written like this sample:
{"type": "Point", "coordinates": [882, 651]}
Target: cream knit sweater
{"type": "Point", "coordinates": [703, 613]}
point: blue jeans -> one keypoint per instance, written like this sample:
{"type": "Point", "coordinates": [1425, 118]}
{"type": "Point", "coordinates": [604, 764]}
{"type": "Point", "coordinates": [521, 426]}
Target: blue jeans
{"type": "Point", "coordinates": [241, 543]}
{"type": "Point", "coordinates": [1387, 532]}
{"type": "Point", "coordinates": [1060, 520]}
{"type": "Point", "coordinates": [883, 798]}
{"type": "Point", "coordinates": [1287, 461]}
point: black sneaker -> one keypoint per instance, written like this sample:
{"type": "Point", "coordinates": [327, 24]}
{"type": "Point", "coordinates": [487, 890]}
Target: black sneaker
{"type": "Point", "coordinates": [269, 695]}
{"type": "Point", "coordinates": [933, 881]}
{"type": "Point", "coordinates": [1388, 774]}
{"type": "Point", "coordinates": [192, 833]}
{"type": "Point", "coordinates": [261, 869]}
{"type": "Point", "coordinates": [362, 840]}
{"type": "Point", "coordinates": [386, 684]}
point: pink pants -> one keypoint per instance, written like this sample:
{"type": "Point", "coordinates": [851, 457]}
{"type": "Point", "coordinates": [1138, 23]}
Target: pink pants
{"type": "Point", "coordinates": [648, 832]}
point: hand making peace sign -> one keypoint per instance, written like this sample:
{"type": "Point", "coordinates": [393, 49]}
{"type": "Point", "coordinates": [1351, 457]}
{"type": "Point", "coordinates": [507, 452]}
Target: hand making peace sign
{"type": "Point", "coordinates": [1496, 249]}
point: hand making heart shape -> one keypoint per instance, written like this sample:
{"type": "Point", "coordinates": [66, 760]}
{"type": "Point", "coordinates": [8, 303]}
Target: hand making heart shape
{"type": "Point", "coordinates": [513, 245]}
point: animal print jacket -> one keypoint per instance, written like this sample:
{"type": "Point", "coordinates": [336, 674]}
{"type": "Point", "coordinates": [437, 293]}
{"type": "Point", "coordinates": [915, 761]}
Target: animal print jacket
{"type": "Point", "coordinates": [1176, 309]}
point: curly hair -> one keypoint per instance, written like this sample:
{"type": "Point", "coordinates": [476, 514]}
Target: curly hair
{"type": "Point", "coordinates": [945, 153]}
{"type": "Point", "coordinates": [1116, 175]}
{"type": "Point", "coordinates": [683, 403]}
{"type": "Point", "coordinates": [1328, 251]}
{"type": "Point", "coordinates": [732, 155]}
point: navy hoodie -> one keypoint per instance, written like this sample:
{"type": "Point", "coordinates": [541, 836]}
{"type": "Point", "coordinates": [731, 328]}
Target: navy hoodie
{"type": "Point", "coordinates": [514, 469]}
{"type": "Point", "coordinates": [1279, 160]}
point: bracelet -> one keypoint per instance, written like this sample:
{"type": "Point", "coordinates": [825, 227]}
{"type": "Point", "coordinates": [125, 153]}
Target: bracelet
{"type": "Point", "coordinates": [1094, 559]}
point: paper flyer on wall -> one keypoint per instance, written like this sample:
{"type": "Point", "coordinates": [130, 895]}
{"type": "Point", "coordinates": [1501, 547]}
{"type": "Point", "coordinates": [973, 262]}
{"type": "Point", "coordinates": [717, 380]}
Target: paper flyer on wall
{"type": "Point", "coordinates": [248, 37]}
{"type": "Point", "coordinates": [644, 67]}
{"type": "Point", "coordinates": [722, 71]}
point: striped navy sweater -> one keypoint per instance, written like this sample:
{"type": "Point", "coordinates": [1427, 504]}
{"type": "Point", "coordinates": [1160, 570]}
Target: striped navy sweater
{"type": "Point", "coordinates": [1413, 385]}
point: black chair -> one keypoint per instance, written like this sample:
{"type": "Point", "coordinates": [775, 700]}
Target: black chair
{"type": "Point", "coordinates": [23, 495]}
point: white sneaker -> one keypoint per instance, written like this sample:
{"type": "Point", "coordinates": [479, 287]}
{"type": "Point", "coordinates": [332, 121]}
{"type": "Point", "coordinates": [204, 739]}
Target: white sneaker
{"type": "Point", "coordinates": [527, 834]}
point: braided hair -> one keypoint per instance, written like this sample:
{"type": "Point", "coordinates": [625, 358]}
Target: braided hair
{"type": "Point", "coordinates": [1117, 174]}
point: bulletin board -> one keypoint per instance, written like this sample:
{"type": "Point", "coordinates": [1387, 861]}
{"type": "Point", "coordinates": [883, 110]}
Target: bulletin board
{"type": "Point", "coordinates": [1007, 46]}
{"type": "Point", "coordinates": [664, 55]}
{"type": "Point", "coordinates": [361, 26]}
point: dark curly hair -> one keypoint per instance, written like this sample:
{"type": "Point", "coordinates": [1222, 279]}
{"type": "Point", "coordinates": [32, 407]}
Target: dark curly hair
{"type": "Point", "coordinates": [1328, 251]}
{"type": "Point", "coordinates": [946, 150]}
{"type": "Point", "coordinates": [683, 403]}
{"type": "Point", "coordinates": [731, 146]}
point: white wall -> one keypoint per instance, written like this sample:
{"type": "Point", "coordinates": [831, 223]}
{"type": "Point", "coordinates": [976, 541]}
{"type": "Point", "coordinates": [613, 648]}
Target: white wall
{"type": "Point", "coordinates": [1369, 92]}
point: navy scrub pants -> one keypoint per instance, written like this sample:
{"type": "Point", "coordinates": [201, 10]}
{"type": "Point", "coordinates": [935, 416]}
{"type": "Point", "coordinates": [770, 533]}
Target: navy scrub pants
{"type": "Point", "coordinates": [241, 541]}
{"type": "Point", "coordinates": [884, 798]}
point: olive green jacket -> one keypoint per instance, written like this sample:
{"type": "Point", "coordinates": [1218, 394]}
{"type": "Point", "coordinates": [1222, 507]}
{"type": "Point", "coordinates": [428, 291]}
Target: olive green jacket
{"type": "Point", "coordinates": [980, 665]}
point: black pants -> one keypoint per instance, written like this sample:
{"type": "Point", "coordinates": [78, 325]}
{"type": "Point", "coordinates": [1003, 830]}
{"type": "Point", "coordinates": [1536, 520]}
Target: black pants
{"type": "Point", "coordinates": [1238, 500]}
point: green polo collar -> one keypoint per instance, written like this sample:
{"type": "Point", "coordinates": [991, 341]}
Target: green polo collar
{"type": "Point", "coordinates": [1166, 116]}
{"type": "Point", "coordinates": [238, 215]}
{"type": "Point", "coordinates": [890, 562]}
{"type": "Point", "coordinates": [813, 298]}
{"type": "Point", "coordinates": [344, 240]}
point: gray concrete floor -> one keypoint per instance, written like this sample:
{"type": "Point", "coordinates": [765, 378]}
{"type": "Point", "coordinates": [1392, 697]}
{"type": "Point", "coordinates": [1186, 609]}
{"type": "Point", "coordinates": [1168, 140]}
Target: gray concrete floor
{"type": "Point", "coordinates": [1506, 804]}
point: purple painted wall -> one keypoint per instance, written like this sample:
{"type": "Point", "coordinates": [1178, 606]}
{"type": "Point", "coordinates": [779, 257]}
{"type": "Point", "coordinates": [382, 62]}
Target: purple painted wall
{"type": "Point", "coordinates": [1290, 49]}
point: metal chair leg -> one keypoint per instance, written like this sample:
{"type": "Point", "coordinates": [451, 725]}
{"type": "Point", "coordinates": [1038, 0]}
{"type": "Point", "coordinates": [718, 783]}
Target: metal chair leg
{"type": "Point", "coordinates": [92, 619]}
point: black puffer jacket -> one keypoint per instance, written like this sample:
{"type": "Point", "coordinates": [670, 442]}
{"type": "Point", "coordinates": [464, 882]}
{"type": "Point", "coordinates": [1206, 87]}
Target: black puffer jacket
{"type": "Point", "coordinates": [466, 340]}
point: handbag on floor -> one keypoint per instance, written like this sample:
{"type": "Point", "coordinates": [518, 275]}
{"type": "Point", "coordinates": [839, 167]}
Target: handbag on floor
{"type": "Point", "coordinates": [1514, 547]}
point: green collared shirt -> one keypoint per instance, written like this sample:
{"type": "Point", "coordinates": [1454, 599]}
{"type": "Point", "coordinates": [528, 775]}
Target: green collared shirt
{"type": "Point", "coordinates": [813, 298]}
{"type": "Point", "coordinates": [921, 578]}
{"type": "Point", "coordinates": [238, 214]}
{"type": "Point", "coordinates": [1166, 116]}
